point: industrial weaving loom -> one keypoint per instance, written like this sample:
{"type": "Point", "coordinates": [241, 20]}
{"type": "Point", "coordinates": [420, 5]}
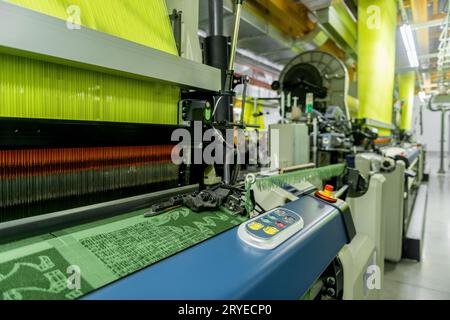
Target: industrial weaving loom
{"type": "Point", "coordinates": [88, 106]}
{"type": "Point", "coordinates": [79, 133]}
{"type": "Point", "coordinates": [45, 161]}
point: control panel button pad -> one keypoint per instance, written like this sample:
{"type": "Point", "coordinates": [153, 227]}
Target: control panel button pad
{"type": "Point", "coordinates": [272, 223]}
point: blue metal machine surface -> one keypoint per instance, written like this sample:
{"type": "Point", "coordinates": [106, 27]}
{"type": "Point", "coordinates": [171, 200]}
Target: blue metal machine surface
{"type": "Point", "coordinates": [226, 268]}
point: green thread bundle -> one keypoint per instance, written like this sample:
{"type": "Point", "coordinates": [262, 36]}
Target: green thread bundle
{"type": "Point", "coordinates": [323, 173]}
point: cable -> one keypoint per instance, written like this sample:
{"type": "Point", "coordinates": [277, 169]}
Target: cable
{"type": "Point", "coordinates": [220, 136]}
{"type": "Point", "coordinates": [216, 105]}
{"type": "Point", "coordinates": [258, 205]}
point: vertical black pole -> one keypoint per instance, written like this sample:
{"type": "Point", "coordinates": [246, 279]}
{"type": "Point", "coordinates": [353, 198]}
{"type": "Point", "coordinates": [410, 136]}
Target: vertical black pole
{"type": "Point", "coordinates": [442, 169]}
{"type": "Point", "coordinates": [217, 53]}
{"type": "Point", "coordinates": [175, 20]}
{"type": "Point", "coordinates": [215, 17]}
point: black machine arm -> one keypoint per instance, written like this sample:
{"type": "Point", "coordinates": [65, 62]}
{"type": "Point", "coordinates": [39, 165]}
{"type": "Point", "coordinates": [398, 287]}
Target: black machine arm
{"type": "Point", "coordinates": [303, 84]}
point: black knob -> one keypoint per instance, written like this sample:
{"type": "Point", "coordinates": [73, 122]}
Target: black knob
{"type": "Point", "coordinates": [331, 292]}
{"type": "Point", "coordinates": [276, 85]}
{"type": "Point", "coordinates": [331, 281]}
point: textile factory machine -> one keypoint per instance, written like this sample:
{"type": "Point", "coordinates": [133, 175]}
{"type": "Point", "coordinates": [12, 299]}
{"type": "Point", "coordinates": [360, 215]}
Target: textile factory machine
{"type": "Point", "coordinates": [314, 96]}
{"type": "Point", "coordinates": [405, 231]}
{"type": "Point", "coordinates": [314, 90]}
{"type": "Point", "coordinates": [404, 198]}
{"type": "Point", "coordinates": [89, 191]}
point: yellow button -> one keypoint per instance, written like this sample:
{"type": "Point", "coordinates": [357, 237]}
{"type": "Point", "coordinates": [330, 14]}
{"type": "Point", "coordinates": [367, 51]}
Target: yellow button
{"type": "Point", "coordinates": [271, 230]}
{"type": "Point", "coordinates": [255, 226]}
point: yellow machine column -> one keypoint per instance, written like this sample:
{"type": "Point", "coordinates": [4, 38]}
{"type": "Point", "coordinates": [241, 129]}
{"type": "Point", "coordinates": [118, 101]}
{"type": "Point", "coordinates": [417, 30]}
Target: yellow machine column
{"type": "Point", "coordinates": [376, 53]}
{"type": "Point", "coordinates": [407, 85]}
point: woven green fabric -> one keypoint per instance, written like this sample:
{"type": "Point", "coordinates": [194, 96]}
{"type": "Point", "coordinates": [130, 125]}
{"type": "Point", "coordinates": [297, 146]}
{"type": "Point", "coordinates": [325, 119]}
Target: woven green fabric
{"type": "Point", "coordinates": [323, 173]}
{"type": "Point", "coordinates": [129, 249]}
{"type": "Point", "coordinates": [40, 276]}
{"type": "Point", "coordinates": [108, 251]}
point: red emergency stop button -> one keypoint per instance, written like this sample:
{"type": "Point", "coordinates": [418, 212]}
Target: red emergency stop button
{"type": "Point", "coordinates": [327, 194]}
{"type": "Point", "coordinates": [281, 225]}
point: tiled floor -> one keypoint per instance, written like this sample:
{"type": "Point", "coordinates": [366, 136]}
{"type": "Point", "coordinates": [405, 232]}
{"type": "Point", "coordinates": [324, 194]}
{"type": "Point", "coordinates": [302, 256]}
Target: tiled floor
{"type": "Point", "coordinates": [429, 279]}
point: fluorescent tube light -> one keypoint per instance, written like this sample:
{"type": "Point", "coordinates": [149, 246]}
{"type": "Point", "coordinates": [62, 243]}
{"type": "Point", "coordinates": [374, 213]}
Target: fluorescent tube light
{"type": "Point", "coordinates": [410, 45]}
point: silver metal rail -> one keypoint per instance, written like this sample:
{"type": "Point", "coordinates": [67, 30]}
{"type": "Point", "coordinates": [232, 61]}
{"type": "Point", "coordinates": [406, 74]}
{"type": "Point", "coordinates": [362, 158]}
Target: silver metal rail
{"type": "Point", "coordinates": [17, 229]}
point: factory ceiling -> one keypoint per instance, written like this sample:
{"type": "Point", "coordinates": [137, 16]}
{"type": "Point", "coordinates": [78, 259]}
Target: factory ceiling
{"type": "Point", "coordinates": [429, 20]}
{"type": "Point", "coordinates": [271, 33]}
{"type": "Point", "coordinates": [275, 31]}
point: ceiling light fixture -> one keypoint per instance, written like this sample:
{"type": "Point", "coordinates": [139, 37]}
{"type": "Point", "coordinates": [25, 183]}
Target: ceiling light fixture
{"type": "Point", "coordinates": [410, 45]}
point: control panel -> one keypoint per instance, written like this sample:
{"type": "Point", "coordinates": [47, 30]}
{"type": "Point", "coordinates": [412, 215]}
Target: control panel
{"type": "Point", "coordinates": [271, 229]}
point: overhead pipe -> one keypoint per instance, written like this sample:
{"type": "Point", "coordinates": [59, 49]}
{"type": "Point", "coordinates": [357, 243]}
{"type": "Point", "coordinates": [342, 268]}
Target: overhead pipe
{"type": "Point", "coordinates": [294, 20]}
{"type": "Point", "coordinates": [428, 24]}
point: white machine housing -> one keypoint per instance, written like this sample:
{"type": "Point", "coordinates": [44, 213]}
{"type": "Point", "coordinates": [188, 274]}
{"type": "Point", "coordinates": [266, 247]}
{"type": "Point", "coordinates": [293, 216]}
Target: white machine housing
{"type": "Point", "coordinates": [289, 145]}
